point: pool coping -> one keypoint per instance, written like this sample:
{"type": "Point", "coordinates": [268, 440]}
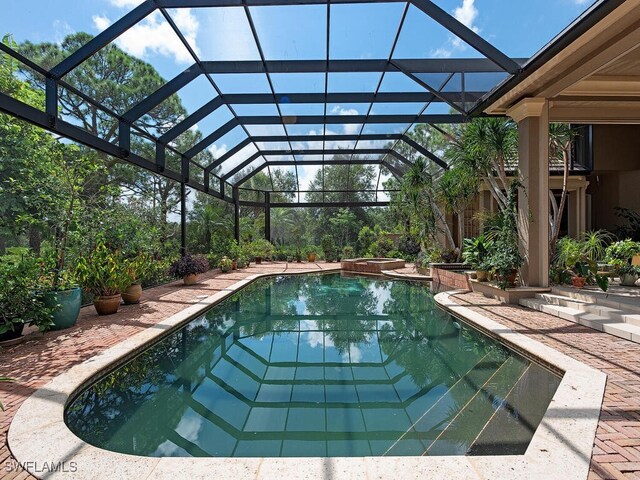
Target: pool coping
{"type": "Point", "coordinates": [561, 447]}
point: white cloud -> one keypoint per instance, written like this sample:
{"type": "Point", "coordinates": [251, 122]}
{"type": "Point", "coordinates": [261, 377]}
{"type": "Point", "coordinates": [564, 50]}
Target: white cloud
{"type": "Point", "coordinates": [350, 128]}
{"type": "Point", "coordinates": [125, 3]}
{"type": "Point", "coordinates": [154, 35]}
{"type": "Point", "coordinates": [216, 151]}
{"type": "Point", "coordinates": [467, 13]}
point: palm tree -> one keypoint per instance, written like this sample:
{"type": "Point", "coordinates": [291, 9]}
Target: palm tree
{"type": "Point", "coordinates": [418, 193]}
{"type": "Point", "coordinates": [561, 138]}
{"type": "Point", "coordinates": [488, 146]}
{"type": "Point", "coordinates": [457, 187]}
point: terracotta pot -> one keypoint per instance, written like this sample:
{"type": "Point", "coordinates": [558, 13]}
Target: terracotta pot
{"type": "Point", "coordinates": [482, 275]}
{"type": "Point", "coordinates": [511, 278]}
{"type": "Point", "coordinates": [578, 282]}
{"type": "Point", "coordinates": [258, 260]}
{"type": "Point", "coordinates": [234, 265]}
{"type": "Point", "coordinates": [132, 294]}
{"type": "Point", "coordinates": [190, 279]}
{"type": "Point", "coordinates": [107, 304]}
{"type": "Point", "coordinates": [311, 257]}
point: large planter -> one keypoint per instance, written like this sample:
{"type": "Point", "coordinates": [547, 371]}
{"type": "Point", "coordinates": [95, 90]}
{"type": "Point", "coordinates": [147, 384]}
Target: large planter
{"type": "Point", "coordinates": [68, 302]}
{"type": "Point", "coordinates": [258, 260]}
{"type": "Point", "coordinates": [628, 279]}
{"type": "Point", "coordinates": [132, 294]}
{"type": "Point", "coordinates": [12, 334]}
{"type": "Point", "coordinates": [107, 304]}
{"type": "Point", "coordinates": [311, 257]}
{"type": "Point", "coordinates": [190, 279]}
{"type": "Point", "coordinates": [234, 265]}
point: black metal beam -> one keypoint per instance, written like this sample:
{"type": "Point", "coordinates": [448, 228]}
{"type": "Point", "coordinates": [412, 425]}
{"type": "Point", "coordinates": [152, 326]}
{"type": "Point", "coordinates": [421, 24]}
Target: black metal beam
{"type": "Point", "coordinates": [251, 174]}
{"type": "Point", "coordinates": [165, 91]}
{"type": "Point", "coordinates": [211, 138]}
{"type": "Point", "coordinates": [191, 120]}
{"type": "Point", "coordinates": [255, 3]}
{"type": "Point", "coordinates": [417, 65]}
{"type": "Point", "coordinates": [236, 214]}
{"type": "Point", "coordinates": [330, 204]}
{"type": "Point", "coordinates": [183, 219]}
{"type": "Point", "coordinates": [105, 37]}
{"type": "Point", "coordinates": [230, 153]}
{"type": "Point", "coordinates": [424, 151]}
{"type": "Point", "coordinates": [37, 117]}
{"type": "Point", "coordinates": [345, 97]}
{"type": "Point", "coordinates": [267, 216]}
{"type": "Point", "coordinates": [351, 119]}
{"type": "Point", "coordinates": [466, 34]}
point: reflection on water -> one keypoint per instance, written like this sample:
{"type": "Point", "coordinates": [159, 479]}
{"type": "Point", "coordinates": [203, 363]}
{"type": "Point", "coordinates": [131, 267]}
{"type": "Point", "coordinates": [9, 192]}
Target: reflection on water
{"type": "Point", "coordinates": [319, 365]}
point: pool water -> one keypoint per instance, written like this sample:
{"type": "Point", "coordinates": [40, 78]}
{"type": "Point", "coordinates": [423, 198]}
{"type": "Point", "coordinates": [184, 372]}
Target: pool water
{"type": "Point", "coordinates": [319, 365]}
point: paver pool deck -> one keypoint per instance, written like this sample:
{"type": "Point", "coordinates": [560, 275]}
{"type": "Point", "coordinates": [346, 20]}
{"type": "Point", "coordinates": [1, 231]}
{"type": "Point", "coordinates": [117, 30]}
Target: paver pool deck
{"type": "Point", "coordinates": [40, 358]}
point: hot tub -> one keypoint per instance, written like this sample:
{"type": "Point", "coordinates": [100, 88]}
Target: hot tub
{"type": "Point", "coordinates": [371, 265]}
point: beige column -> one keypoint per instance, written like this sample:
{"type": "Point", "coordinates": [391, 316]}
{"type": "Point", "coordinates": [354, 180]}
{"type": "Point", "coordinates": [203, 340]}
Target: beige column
{"type": "Point", "coordinates": [532, 115]}
{"type": "Point", "coordinates": [573, 214]}
{"type": "Point", "coordinates": [581, 200]}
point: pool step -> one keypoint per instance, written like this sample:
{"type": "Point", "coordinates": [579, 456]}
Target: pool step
{"type": "Point", "coordinates": [462, 430]}
{"type": "Point", "coordinates": [427, 424]}
{"type": "Point", "coordinates": [621, 320]}
{"type": "Point", "coordinates": [519, 414]}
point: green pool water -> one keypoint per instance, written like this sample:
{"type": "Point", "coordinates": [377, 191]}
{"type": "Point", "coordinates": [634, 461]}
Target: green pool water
{"type": "Point", "coordinates": [319, 365]}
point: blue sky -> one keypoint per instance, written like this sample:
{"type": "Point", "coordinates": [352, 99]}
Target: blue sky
{"type": "Point", "coordinates": [517, 27]}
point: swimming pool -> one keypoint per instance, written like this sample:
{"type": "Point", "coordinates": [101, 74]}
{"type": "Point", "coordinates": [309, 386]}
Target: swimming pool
{"type": "Point", "coordinates": [318, 365]}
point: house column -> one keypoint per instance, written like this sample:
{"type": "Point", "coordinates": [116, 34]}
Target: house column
{"type": "Point", "coordinates": [581, 208]}
{"type": "Point", "coordinates": [532, 115]}
{"type": "Point", "coordinates": [573, 223]}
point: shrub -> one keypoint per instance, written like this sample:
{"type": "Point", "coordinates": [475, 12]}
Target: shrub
{"type": "Point", "coordinates": [103, 272]}
{"type": "Point", "coordinates": [225, 264]}
{"type": "Point", "coordinates": [19, 305]}
{"type": "Point", "coordinates": [383, 246]}
{"type": "Point", "coordinates": [621, 252]}
{"type": "Point", "coordinates": [408, 245]}
{"type": "Point", "coordinates": [189, 265]}
{"type": "Point", "coordinates": [348, 252]}
{"type": "Point", "coordinates": [328, 248]}
{"type": "Point", "coordinates": [261, 248]}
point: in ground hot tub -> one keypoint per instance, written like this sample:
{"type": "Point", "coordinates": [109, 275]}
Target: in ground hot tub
{"type": "Point", "coordinates": [372, 265]}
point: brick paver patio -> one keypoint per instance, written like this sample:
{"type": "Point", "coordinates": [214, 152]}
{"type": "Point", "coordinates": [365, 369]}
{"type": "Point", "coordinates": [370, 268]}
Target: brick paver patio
{"type": "Point", "coordinates": [616, 451]}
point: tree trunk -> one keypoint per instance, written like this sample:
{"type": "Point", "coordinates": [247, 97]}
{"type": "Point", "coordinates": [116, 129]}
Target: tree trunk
{"type": "Point", "coordinates": [460, 234]}
{"type": "Point", "coordinates": [563, 200]}
{"type": "Point", "coordinates": [35, 240]}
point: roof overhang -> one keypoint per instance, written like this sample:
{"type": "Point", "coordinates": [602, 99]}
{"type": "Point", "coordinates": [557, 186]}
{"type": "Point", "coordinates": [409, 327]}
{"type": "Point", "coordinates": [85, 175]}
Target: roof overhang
{"type": "Point", "coordinates": [590, 73]}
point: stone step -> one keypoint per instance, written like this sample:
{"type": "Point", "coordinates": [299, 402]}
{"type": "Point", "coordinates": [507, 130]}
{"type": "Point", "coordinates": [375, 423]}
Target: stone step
{"type": "Point", "coordinates": [630, 305]}
{"type": "Point", "coordinates": [622, 325]}
{"type": "Point", "coordinates": [619, 314]}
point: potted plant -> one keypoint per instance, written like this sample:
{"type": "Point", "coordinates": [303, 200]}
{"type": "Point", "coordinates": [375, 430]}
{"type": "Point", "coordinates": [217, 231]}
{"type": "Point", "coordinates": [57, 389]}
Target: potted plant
{"type": "Point", "coordinates": [102, 273]}
{"type": "Point", "coordinates": [328, 248]}
{"type": "Point", "coordinates": [137, 269]}
{"type": "Point", "coordinates": [188, 267]}
{"type": "Point", "coordinates": [261, 249]}
{"type": "Point", "coordinates": [348, 252]}
{"type": "Point", "coordinates": [19, 304]}
{"type": "Point", "coordinates": [60, 292]}
{"type": "Point", "coordinates": [628, 274]}
{"type": "Point", "coordinates": [311, 254]}
{"type": "Point", "coordinates": [226, 265]}
{"type": "Point", "coordinates": [476, 253]}
{"type": "Point", "coordinates": [580, 274]}
{"type": "Point", "coordinates": [621, 252]}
